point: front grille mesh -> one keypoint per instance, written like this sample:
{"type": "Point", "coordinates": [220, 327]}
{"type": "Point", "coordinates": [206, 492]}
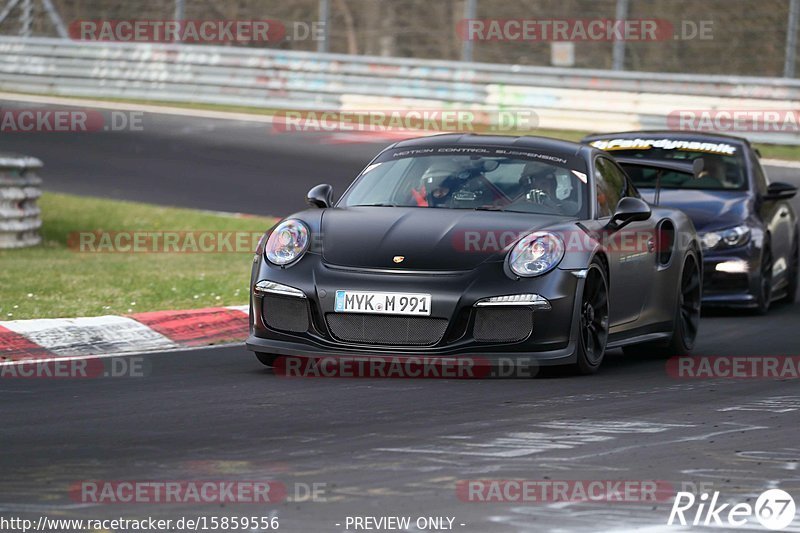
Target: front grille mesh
{"type": "Point", "coordinates": [499, 324]}
{"type": "Point", "coordinates": [386, 330]}
{"type": "Point", "coordinates": [285, 313]}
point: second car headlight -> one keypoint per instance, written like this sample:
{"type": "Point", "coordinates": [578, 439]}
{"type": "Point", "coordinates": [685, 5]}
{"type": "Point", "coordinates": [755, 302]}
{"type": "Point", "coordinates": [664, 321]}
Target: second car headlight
{"type": "Point", "coordinates": [536, 254]}
{"type": "Point", "coordinates": [727, 238]}
{"type": "Point", "coordinates": [287, 243]}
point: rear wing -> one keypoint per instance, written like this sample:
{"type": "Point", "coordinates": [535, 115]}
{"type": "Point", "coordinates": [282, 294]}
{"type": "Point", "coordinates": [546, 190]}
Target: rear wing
{"type": "Point", "coordinates": [693, 169]}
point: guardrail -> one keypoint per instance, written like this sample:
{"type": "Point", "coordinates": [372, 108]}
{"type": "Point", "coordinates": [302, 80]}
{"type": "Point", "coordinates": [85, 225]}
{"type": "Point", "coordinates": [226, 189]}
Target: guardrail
{"type": "Point", "coordinates": [19, 190]}
{"type": "Point", "coordinates": [562, 98]}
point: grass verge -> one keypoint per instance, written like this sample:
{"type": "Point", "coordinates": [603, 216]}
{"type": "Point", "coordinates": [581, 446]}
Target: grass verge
{"type": "Point", "coordinates": [54, 280]}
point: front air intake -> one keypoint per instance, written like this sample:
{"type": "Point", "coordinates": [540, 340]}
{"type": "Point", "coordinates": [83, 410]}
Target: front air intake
{"type": "Point", "coordinates": [502, 324]}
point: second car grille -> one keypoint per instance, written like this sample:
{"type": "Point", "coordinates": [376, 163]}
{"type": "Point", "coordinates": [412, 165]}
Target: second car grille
{"type": "Point", "coordinates": [389, 330]}
{"type": "Point", "coordinates": [503, 324]}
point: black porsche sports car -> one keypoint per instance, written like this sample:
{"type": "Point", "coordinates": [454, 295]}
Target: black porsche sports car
{"type": "Point", "coordinates": [747, 226]}
{"type": "Point", "coordinates": [465, 245]}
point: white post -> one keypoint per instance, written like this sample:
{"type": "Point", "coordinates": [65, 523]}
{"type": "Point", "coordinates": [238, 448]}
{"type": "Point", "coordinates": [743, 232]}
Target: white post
{"type": "Point", "coordinates": [27, 18]}
{"type": "Point", "coordinates": [790, 54]}
{"type": "Point", "coordinates": [618, 53]}
{"type": "Point", "coordinates": [470, 9]}
{"type": "Point", "coordinates": [325, 19]}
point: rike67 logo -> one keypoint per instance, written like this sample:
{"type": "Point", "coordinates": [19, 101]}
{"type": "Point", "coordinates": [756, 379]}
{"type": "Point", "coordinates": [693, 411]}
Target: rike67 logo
{"type": "Point", "coordinates": [774, 509]}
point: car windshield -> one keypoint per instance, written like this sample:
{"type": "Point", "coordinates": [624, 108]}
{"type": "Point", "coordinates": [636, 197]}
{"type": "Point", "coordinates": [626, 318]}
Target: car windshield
{"type": "Point", "coordinates": [526, 183]}
{"type": "Point", "coordinates": [724, 166]}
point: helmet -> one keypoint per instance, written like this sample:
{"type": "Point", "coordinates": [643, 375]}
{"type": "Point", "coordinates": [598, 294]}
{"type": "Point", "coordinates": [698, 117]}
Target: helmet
{"type": "Point", "coordinates": [438, 172]}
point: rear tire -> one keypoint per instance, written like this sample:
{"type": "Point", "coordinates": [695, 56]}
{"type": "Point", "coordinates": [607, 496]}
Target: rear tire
{"type": "Point", "coordinates": [593, 328]}
{"type": "Point", "coordinates": [266, 359]}
{"type": "Point", "coordinates": [687, 317]}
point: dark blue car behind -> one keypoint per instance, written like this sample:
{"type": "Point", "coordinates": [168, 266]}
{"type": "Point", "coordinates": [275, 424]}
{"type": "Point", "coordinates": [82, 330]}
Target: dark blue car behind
{"type": "Point", "coordinates": [748, 227]}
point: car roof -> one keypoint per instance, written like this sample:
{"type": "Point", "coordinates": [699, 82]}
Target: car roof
{"type": "Point", "coordinates": [672, 134]}
{"type": "Point", "coordinates": [545, 144]}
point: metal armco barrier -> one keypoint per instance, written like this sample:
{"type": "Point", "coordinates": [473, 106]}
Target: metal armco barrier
{"type": "Point", "coordinates": [562, 98]}
{"type": "Point", "coordinates": [19, 190]}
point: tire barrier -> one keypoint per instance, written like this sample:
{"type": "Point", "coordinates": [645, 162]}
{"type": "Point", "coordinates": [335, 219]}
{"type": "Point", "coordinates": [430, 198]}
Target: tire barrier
{"type": "Point", "coordinates": [20, 188]}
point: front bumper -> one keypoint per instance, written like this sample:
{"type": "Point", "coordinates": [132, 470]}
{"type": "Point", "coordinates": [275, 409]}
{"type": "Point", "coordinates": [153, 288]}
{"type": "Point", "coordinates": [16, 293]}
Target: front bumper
{"type": "Point", "coordinates": [732, 278]}
{"type": "Point", "coordinates": [454, 295]}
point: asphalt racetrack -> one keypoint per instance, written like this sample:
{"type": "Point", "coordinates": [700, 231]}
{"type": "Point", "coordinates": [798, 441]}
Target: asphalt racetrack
{"type": "Point", "coordinates": [373, 447]}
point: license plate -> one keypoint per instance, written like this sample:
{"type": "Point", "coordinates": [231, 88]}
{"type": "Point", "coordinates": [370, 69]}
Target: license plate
{"type": "Point", "coordinates": [384, 303]}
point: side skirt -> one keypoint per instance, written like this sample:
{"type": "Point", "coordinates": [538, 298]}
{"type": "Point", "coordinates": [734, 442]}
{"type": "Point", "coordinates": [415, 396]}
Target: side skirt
{"type": "Point", "coordinates": [653, 332]}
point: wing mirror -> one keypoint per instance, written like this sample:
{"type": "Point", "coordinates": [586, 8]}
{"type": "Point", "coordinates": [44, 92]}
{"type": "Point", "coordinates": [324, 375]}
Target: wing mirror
{"type": "Point", "coordinates": [780, 191]}
{"type": "Point", "coordinates": [629, 210]}
{"type": "Point", "coordinates": [320, 196]}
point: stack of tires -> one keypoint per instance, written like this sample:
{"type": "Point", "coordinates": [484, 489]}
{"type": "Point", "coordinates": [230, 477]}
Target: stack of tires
{"type": "Point", "coordinates": [20, 188]}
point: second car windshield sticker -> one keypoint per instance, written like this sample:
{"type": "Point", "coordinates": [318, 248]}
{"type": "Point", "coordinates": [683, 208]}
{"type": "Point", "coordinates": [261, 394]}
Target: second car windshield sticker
{"type": "Point", "coordinates": [665, 144]}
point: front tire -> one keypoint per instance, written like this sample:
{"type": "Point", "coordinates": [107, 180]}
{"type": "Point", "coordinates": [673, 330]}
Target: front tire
{"type": "Point", "coordinates": [593, 329]}
{"type": "Point", "coordinates": [266, 359]}
{"type": "Point", "coordinates": [765, 286]}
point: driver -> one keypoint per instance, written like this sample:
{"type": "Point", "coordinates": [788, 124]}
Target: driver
{"type": "Point", "coordinates": [539, 182]}
{"type": "Point", "coordinates": [434, 187]}
{"type": "Point", "coordinates": [541, 185]}
{"type": "Point", "coordinates": [714, 168]}
{"type": "Point", "coordinates": [546, 184]}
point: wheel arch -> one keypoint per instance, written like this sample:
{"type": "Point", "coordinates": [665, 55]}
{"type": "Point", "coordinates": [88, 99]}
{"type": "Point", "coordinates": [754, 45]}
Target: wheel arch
{"type": "Point", "coordinates": [601, 256]}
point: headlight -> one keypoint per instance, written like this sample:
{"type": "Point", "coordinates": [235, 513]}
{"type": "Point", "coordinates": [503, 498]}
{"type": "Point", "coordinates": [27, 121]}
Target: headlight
{"type": "Point", "coordinates": [536, 254]}
{"type": "Point", "coordinates": [287, 243]}
{"type": "Point", "coordinates": [728, 238]}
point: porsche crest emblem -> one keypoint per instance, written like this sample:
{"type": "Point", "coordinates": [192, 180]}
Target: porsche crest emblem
{"type": "Point", "coordinates": [399, 258]}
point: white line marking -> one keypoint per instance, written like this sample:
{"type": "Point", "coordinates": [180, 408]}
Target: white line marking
{"type": "Point", "coordinates": [638, 446]}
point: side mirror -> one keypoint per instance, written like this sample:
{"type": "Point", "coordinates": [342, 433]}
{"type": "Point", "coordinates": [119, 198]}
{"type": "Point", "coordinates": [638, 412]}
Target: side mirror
{"type": "Point", "coordinates": [698, 166]}
{"type": "Point", "coordinates": [780, 191]}
{"type": "Point", "coordinates": [629, 210]}
{"type": "Point", "coordinates": [320, 196]}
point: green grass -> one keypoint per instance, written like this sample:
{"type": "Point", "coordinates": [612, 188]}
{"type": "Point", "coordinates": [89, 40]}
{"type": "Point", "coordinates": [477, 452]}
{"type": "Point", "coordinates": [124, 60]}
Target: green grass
{"type": "Point", "coordinates": [777, 151]}
{"type": "Point", "coordinates": [53, 280]}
